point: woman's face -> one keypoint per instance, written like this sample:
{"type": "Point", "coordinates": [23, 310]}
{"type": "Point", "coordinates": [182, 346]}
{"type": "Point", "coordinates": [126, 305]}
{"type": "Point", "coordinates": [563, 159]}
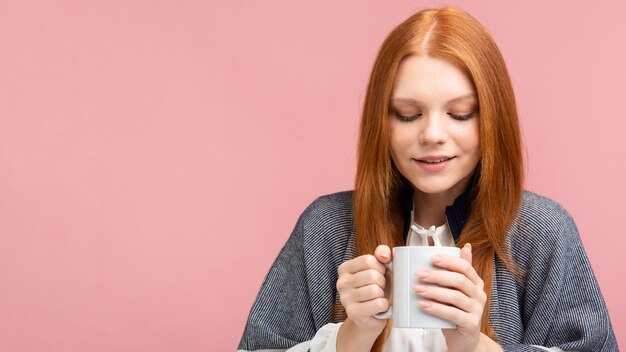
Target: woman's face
{"type": "Point", "coordinates": [434, 126]}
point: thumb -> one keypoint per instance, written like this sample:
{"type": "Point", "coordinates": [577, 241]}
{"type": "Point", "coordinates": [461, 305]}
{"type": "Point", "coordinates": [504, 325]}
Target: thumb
{"type": "Point", "coordinates": [466, 252]}
{"type": "Point", "coordinates": [383, 254]}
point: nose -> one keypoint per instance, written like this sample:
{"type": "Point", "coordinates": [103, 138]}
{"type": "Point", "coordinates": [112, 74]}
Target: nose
{"type": "Point", "coordinates": [433, 130]}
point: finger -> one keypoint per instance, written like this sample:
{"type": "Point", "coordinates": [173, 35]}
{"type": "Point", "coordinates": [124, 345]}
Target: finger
{"type": "Point", "coordinates": [451, 279]}
{"type": "Point", "coordinates": [459, 265]}
{"type": "Point", "coordinates": [448, 296]}
{"type": "Point", "coordinates": [375, 306]}
{"type": "Point", "coordinates": [367, 293]}
{"type": "Point", "coordinates": [383, 254]}
{"type": "Point", "coordinates": [361, 263]}
{"type": "Point", "coordinates": [454, 315]}
{"type": "Point", "coordinates": [361, 310]}
{"type": "Point", "coordinates": [368, 277]}
{"type": "Point", "coordinates": [466, 252]}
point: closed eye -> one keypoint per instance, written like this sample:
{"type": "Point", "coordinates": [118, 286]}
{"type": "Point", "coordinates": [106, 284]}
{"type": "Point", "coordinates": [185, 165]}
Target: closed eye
{"type": "Point", "coordinates": [462, 117]}
{"type": "Point", "coordinates": [407, 118]}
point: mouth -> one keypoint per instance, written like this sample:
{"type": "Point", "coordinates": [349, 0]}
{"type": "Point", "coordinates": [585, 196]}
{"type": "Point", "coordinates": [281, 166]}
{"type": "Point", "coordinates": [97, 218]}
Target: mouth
{"type": "Point", "coordinates": [435, 160]}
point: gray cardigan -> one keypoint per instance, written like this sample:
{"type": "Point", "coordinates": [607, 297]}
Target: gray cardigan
{"type": "Point", "coordinates": [558, 305]}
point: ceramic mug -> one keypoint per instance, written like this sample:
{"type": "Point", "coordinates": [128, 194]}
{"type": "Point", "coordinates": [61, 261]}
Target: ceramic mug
{"type": "Point", "coordinates": [405, 310]}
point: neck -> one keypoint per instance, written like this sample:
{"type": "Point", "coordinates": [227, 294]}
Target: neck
{"type": "Point", "coordinates": [430, 209]}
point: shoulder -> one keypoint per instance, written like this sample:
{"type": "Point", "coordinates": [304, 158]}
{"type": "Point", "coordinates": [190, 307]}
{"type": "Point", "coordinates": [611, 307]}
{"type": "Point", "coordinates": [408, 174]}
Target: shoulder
{"type": "Point", "coordinates": [542, 226]}
{"type": "Point", "coordinates": [539, 212]}
{"type": "Point", "coordinates": [542, 211]}
{"type": "Point", "coordinates": [329, 219]}
{"type": "Point", "coordinates": [327, 227]}
{"type": "Point", "coordinates": [329, 208]}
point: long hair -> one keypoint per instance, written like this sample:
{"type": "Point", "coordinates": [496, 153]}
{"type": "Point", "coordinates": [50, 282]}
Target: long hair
{"type": "Point", "coordinates": [457, 37]}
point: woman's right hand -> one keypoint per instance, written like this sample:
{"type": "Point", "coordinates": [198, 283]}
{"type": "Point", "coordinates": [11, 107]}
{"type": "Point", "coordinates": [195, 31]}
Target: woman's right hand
{"type": "Point", "coordinates": [361, 287]}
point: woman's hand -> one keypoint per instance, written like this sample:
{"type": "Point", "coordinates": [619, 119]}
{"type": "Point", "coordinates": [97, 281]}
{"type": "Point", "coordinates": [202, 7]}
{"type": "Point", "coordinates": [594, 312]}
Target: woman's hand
{"type": "Point", "coordinates": [459, 298]}
{"type": "Point", "coordinates": [361, 286]}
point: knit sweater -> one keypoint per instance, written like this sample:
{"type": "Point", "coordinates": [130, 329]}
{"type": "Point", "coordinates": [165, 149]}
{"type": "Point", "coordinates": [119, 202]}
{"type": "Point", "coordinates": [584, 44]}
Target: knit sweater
{"type": "Point", "coordinates": [558, 303]}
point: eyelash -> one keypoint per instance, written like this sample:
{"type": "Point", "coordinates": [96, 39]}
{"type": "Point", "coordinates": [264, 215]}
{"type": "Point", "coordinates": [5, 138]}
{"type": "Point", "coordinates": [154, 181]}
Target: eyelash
{"type": "Point", "coordinates": [456, 117]}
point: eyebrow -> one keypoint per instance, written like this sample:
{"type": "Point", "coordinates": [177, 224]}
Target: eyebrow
{"type": "Point", "coordinates": [454, 100]}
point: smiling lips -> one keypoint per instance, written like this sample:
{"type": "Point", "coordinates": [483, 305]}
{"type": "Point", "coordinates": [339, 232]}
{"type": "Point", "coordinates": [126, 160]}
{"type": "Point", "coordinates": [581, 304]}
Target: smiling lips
{"type": "Point", "coordinates": [434, 163]}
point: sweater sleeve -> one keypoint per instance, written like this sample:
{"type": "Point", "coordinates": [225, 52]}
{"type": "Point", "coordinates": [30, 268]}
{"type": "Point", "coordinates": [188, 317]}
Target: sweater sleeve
{"type": "Point", "coordinates": [281, 315]}
{"type": "Point", "coordinates": [297, 297]}
{"type": "Point", "coordinates": [563, 308]}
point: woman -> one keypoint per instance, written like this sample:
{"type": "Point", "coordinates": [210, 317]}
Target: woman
{"type": "Point", "coordinates": [439, 155]}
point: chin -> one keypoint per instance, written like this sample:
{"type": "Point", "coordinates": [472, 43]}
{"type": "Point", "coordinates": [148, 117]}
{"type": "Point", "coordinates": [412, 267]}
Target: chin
{"type": "Point", "coordinates": [432, 188]}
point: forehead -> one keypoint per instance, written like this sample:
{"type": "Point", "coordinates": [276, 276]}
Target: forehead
{"type": "Point", "coordinates": [429, 79]}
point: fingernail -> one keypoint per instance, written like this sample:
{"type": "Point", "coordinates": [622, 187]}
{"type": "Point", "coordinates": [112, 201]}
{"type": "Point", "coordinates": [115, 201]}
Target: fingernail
{"type": "Point", "coordinates": [422, 274]}
{"type": "Point", "coordinates": [384, 256]}
{"type": "Point", "coordinates": [420, 288]}
{"type": "Point", "coordinates": [425, 304]}
{"type": "Point", "coordinates": [437, 259]}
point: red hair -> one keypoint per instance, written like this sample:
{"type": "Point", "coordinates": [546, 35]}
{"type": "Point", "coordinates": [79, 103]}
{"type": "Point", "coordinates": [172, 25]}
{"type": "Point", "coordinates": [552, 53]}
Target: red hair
{"type": "Point", "coordinates": [457, 37]}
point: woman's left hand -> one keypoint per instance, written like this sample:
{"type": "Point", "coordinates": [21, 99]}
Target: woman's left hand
{"type": "Point", "coordinates": [459, 297]}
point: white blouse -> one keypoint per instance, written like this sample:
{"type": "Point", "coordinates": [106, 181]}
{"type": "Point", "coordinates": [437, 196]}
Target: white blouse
{"type": "Point", "coordinates": [400, 339]}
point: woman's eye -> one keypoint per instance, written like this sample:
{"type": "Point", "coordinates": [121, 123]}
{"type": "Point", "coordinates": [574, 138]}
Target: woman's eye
{"type": "Point", "coordinates": [408, 118]}
{"type": "Point", "coordinates": [462, 117]}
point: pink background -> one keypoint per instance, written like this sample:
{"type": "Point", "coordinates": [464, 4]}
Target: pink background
{"type": "Point", "coordinates": [155, 155]}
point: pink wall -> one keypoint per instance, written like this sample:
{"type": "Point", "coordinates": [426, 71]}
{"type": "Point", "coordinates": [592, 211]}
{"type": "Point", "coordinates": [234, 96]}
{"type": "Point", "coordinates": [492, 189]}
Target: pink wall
{"type": "Point", "coordinates": [155, 155]}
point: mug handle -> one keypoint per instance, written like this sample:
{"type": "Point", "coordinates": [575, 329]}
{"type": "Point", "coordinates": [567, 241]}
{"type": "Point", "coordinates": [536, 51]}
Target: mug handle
{"type": "Point", "coordinates": [388, 314]}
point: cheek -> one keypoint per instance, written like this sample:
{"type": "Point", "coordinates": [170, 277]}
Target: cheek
{"type": "Point", "coordinates": [400, 138]}
{"type": "Point", "coordinates": [472, 145]}
{"type": "Point", "coordinates": [468, 138]}
{"type": "Point", "coordinates": [474, 140]}
{"type": "Point", "coordinates": [475, 152]}
{"type": "Point", "coordinates": [399, 145]}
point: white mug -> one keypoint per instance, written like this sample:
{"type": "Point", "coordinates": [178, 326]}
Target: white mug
{"type": "Point", "coordinates": [405, 311]}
